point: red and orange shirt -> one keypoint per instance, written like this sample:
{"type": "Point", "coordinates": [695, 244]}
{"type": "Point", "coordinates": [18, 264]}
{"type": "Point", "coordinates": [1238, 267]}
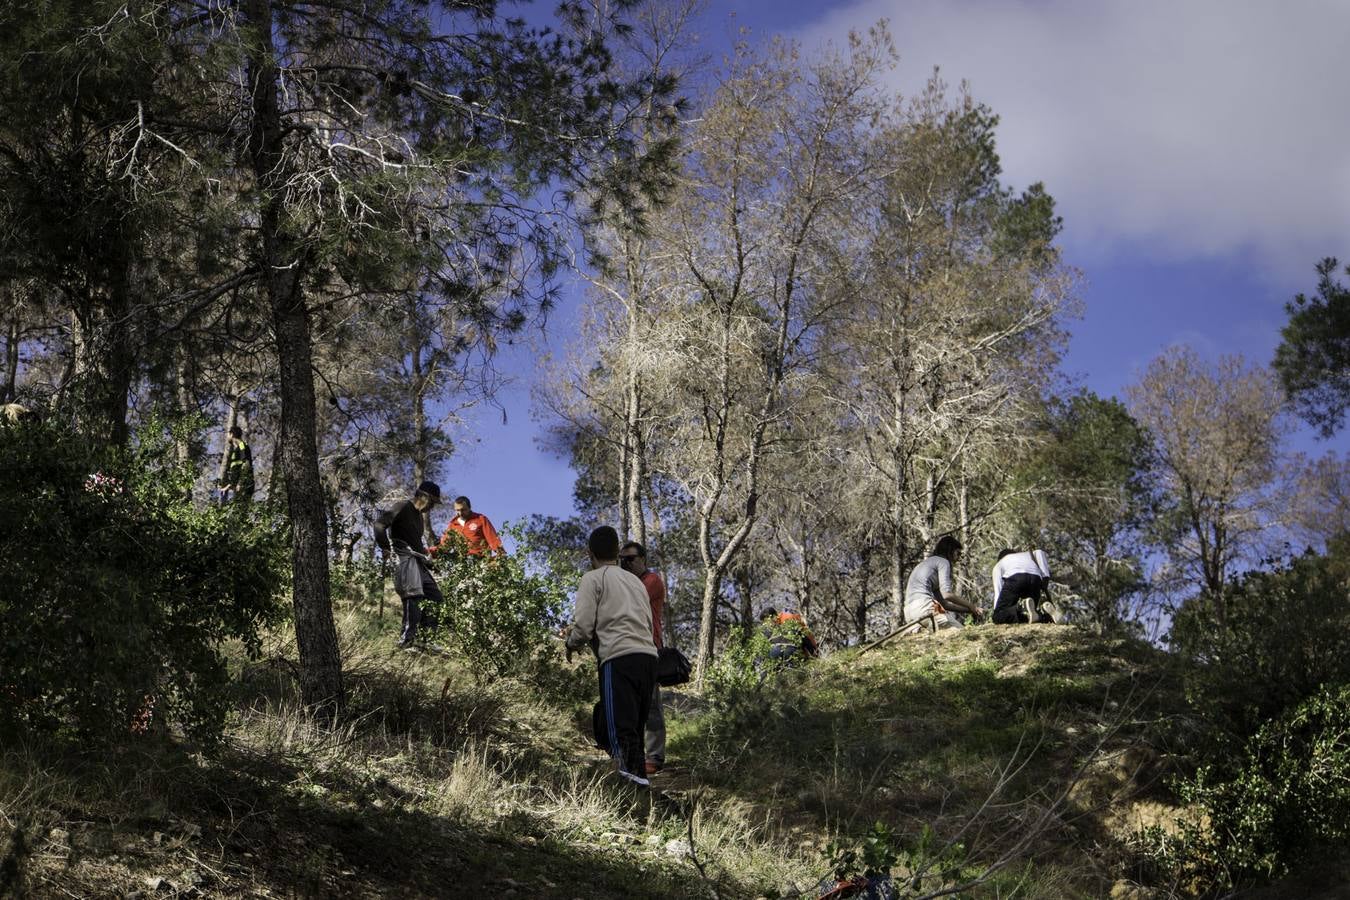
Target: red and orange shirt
{"type": "Point", "coordinates": [477, 531]}
{"type": "Point", "coordinates": [656, 593]}
{"type": "Point", "coordinates": [808, 639]}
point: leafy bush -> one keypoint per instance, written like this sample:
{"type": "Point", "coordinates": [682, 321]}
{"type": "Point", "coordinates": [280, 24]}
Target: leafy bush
{"type": "Point", "coordinates": [118, 593]}
{"type": "Point", "coordinates": [742, 690]}
{"type": "Point", "coordinates": [735, 680]}
{"type": "Point", "coordinates": [1267, 675]}
{"type": "Point", "coordinates": [882, 863]}
{"type": "Point", "coordinates": [499, 613]}
{"type": "Point", "coordinates": [1282, 636]}
{"type": "Point", "coordinates": [876, 853]}
{"type": "Point", "coordinates": [358, 580]}
{"type": "Point", "coordinates": [1287, 802]}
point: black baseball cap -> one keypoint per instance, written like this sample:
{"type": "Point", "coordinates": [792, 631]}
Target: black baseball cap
{"type": "Point", "coordinates": [431, 489]}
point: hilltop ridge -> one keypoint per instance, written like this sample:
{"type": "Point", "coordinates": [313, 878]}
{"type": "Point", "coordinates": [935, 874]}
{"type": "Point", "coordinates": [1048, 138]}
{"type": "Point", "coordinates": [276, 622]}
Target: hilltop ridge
{"type": "Point", "coordinates": [1040, 751]}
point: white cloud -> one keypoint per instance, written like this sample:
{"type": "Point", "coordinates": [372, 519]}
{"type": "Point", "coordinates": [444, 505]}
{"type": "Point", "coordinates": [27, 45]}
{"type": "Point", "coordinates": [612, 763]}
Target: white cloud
{"type": "Point", "coordinates": [1184, 129]}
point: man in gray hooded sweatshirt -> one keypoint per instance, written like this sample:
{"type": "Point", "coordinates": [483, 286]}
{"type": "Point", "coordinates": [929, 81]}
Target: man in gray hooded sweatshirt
{"type": "Point", "coordinates": [614, 615]}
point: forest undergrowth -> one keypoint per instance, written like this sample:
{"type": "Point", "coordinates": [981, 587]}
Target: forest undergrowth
{"type": "Point", "coordinates": [435, 783]}
{"type": "Point", "coordinates": [993, 762]}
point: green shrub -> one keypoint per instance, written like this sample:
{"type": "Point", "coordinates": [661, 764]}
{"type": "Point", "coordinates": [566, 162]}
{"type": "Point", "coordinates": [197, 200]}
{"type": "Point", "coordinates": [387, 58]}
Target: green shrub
{"type": "Point", "coordinates": [737, 677]}
{"type": "Point", "coordinates": [1284, 801]}
{"type": "Point", "coordinates": [1283, 636]}
{"type": "Point", "coordinates": [1266, 671]}
{"type": "Point", "coordinates": [359, 580]}
{"type": "Point", "coordinates": [118, 593]}
{"type": "Point", "coordinates": [745, 694]}
{"type": "Point", "coordinates": [917, 864]}
{"type": "Point", "coordinates": [500, 614]}
{"type": "Point", "coordinates": [874, 854]}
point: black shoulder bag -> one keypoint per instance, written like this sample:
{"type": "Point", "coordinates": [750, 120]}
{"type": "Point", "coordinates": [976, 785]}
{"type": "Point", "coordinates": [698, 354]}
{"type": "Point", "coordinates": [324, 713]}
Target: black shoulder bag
{"type": "Point", "coordinates": [672, 667]}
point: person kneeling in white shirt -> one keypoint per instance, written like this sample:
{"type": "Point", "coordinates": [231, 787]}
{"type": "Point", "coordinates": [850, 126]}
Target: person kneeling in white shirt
{"type": "Point", "coordinates": [1019, 577]}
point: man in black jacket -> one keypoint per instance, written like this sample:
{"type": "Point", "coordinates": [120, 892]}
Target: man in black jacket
{"type": "Point", "coordinates": [399, 531]}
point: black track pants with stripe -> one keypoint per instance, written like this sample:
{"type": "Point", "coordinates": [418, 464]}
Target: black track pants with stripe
{"type": "Point", "coordinates": [1016, 588]}
{"type": "Point", "coordinates": [626, 684]}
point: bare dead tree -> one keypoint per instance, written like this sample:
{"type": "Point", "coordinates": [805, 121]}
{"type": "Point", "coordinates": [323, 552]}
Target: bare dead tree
{"type": "Point", "coordinates": [1217, 430]}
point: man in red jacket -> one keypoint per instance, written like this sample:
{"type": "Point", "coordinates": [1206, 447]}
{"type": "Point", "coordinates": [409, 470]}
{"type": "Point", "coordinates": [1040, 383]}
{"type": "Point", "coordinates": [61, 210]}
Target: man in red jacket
{"type": "Point", "coordinates": [633, 557]}
{"type": "Point", "coordinates": [788, 635]}
{"type": "Point", "coordinates": [478, 534]}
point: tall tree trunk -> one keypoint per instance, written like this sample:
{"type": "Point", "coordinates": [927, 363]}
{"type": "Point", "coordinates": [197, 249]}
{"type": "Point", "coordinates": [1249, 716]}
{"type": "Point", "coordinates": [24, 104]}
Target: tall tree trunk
{"type": "Point", "coordinates": [864, 591]}
{"type": "Point", "coordinates": [712, 586]}
{"type": "Point", "coordinates": [636, 476]}
{"type": "Point", "coordinates": [902, 363]}
{"type": "Point", "coordinates": [745, 594]}
{"type": "Point", "coordinates": [928, 525]}
{"type": "Point", "coordinates": [103, 363]}
{"type": "Point", "coordinates": [1214, 573]}
{"type": "Point", "coordinates": [713, 565]}
{"type": "Point", "coordinates": [283, 259]}
{"type": "Point", "coordinates": [421, 439]}
{"type": "Point", "coordinates": [102, 357]}
{"type": "Point", "coordinates": [896, 558]}
{"type": "Point", "coordinates": [231, 420]}
{"type": "Point", "coordinates": [963, 524]}
{"type": "Point", "coordinates": [11, 389]}
{"type": "Point", "coordinates": [625, 453]}
{"type": "Point", "coordinates": [321, 687]}
{"type": "Point", "coordinates": [804, 591]}
{"type": "Point", "coordinates": [716, 568]}
{"type": "Point", "coordinates": [183, 398]}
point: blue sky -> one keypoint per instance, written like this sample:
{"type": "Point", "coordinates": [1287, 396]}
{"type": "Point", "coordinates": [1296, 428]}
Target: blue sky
{"type": "Point", "coordinates": [1199, 153]}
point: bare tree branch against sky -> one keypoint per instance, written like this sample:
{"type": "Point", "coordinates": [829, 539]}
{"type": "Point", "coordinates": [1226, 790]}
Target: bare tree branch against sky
{"type": "Point", "coordinates": [1196, 152]}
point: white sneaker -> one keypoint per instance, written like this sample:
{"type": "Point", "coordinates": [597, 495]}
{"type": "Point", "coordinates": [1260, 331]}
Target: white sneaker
{"type": "Point", "coordinates": [636, 779]}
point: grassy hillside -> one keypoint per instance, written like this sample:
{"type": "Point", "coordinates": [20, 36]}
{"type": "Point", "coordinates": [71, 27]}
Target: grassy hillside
{"type": "Point", "coordinates": [1007, 762]}
{"type": "Point", "coordinates": [1030, 755]}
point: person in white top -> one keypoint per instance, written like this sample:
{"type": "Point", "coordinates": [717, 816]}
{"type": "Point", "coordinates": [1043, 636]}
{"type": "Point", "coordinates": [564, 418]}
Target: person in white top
{"type": "Point", "coordinates": [614, 615]}
{"type": "Point", "coordinates": [1017, 577]}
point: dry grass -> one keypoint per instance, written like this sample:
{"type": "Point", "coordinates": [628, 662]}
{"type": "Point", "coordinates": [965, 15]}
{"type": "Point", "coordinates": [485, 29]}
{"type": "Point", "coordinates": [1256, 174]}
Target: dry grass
{"type": "Point", "coordinates": [498, 779]}
{"type": "Point", "coordinates": [499, 786]}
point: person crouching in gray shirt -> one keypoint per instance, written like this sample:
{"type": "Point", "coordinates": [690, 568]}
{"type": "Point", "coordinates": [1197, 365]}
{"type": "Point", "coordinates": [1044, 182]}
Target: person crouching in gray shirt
{"type": "Point", "coordinates": [930, 590]}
